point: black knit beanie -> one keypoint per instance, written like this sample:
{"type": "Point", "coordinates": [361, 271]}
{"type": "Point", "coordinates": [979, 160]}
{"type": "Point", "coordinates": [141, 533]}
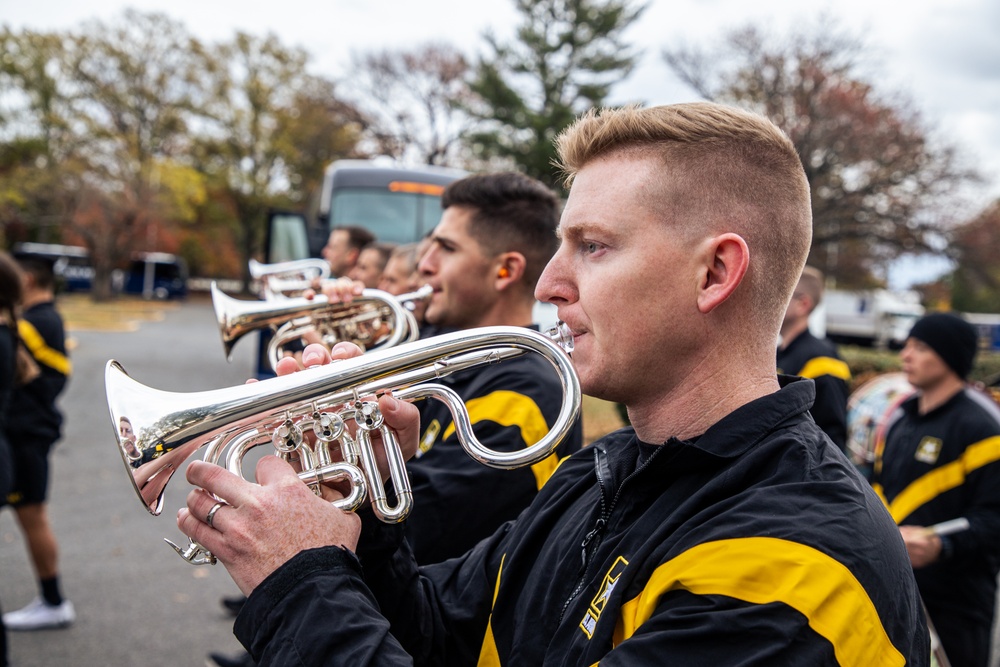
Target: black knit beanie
{"type": "Point", "coordinates": [953, 339]}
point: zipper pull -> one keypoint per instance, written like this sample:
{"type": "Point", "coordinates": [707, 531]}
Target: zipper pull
{"type": "Point", "coordinates": [598, 527]}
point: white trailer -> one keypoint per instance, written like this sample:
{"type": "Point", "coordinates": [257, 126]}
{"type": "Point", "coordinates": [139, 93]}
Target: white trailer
{"type": "Point", "coordinates": [877, 317]}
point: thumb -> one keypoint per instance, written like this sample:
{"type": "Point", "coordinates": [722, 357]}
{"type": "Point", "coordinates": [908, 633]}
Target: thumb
{"type": "Point", "coordinates": [403, 418]}
{"type": "Point", "coordinates": [273, 471]}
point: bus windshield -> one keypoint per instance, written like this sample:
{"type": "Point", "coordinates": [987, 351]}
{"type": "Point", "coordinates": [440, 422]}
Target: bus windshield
{"type": "Point", "coordinates": [395, 217]}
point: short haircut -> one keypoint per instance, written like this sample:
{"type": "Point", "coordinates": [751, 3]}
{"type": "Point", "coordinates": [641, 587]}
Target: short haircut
{"type": "Point", "coordinates": [357, 237]}
{"type": "Point", "coordinates": [39, 268]}
{"type": "Point", "coordinates": [724, 170]}
{"type": "Point", "coordinates": [406, 253]}
{"type": "Point", "coordinates": [811, 284]}
{"type": "Point", "coordinates": [511, 212]}
{"type": "Point", "coordinates": [384, 251]}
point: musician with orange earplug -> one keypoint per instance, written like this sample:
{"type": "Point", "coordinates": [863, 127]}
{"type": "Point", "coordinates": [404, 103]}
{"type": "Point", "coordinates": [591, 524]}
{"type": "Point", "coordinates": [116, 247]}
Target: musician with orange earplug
{"type": "Point", "coordinates": [483, 260]}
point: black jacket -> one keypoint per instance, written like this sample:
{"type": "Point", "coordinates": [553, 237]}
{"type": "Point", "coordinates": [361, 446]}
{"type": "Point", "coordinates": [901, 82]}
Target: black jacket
{"type": "Point", "coordinates": [758, 543]}
{"type": "Point", "coordinates": [945, 465]}
{"type": "Point", "coordinates": [458, 501]}
{"type": "Point", "coordinates": [34, 417]}
{"type": "Point", "coordinates": [817, 360]}
{"type": "Point", "coordinates": [7, 366]}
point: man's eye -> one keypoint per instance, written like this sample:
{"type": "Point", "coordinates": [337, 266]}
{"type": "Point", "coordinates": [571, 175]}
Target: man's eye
{"type": "Point", "coordinates": [591, 247]}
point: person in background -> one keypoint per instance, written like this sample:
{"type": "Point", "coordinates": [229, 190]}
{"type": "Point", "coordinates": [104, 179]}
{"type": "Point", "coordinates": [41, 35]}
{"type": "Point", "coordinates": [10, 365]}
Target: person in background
{"type": "Point", "coordinates": [16, 368]}
{"type": "Point", "coordinates": [343, 247]}
{"type": "Point", "coordinates": [34, 425]}
{"type": "Point", "coordinates": [483, 262]}
{"type": "Point", "coordinates": [721, 528]}
{"type": "Point", "coordinates": [400, 275]}
{"type": "Point", "coordinates": [800, 353]}
{"type": "Point", "coordinates": [371, 262]}
{"type": "Point", "coordinates": [940, 461]}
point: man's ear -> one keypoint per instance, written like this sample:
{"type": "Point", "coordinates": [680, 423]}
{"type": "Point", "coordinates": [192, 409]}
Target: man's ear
{"type": "Point", "coordinates": [726, 260]}
{"type": "Point", "coordinates": [510, 269]}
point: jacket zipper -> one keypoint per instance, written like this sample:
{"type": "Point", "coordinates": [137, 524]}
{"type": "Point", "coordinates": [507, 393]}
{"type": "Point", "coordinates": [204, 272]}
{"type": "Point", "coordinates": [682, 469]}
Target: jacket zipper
{"type": "Point", "coordinates": [592, 540]}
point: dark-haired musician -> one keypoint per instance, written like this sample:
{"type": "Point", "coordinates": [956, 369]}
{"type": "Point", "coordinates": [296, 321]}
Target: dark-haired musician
{"type": "Point", "coordinates": [721, 528]}
{"type": "Point", "coordinates": [483, 261]}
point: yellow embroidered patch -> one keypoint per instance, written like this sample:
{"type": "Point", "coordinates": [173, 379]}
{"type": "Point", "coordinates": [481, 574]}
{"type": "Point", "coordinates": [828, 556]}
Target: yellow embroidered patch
{"type": "Point", "coordinates": [593, 614]}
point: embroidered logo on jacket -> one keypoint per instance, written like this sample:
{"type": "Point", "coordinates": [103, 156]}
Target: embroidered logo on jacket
{"type": "Point", "coordinates": [928, 450]}
{"type": "Point", "coordinates": [589, 622]}
{"type": "Point", "coordinates": [427, 440]}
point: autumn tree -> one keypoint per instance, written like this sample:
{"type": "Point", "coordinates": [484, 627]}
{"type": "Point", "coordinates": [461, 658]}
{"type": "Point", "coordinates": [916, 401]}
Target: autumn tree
{"type": "Point", "coordinates": [134, 84]}
{"type": "Point", "coordinates": [974, 248]}
{"type": "Point", "coordinates": [271, 128]}
{"type": "Point", "coordinates": [565, 59]}
{"type": "Point", "coordinates": [415, 101]}
{"type": "Point", "coordinates": [39, 166]}
{"type": "Point", "coordinates": [881, 184]}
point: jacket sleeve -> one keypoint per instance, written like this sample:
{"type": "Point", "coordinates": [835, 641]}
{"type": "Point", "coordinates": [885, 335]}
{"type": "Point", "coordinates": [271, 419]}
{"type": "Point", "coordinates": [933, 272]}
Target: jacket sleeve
{"type": "Point", "coordinates": [316, 610]}
{"type": "Point", "coordinates": [727, 632]}
{"type": "Point", "coordinates": [982, 498]}
{"type": "Point", "coordinates": [324, 608]}
{"type": "Point", "coordinates": [439, 612]}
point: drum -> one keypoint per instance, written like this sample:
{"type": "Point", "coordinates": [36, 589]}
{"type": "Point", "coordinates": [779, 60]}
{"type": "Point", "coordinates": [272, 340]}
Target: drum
{"type": "Point", "coordinates": [868, 409]}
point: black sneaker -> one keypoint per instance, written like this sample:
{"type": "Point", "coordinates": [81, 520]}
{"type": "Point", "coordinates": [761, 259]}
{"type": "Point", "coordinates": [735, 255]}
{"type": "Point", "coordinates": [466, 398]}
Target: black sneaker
{"type": "Point", "coordinates": [219, 660]}
{"type": "Point", "coordinates": [234, 604]}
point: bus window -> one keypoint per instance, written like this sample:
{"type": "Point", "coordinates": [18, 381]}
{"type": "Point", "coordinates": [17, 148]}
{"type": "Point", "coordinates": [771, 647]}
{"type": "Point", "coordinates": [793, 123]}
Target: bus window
{"type": "Point", "coordinates": [287, 237]}
{"type": "Point", "coordinates": [70, 264]}
{"type": "Point", "coordinates": [391, 216]}
{"type": "Point", "coordinates": [397, 204]}
{"type": "Point", "coordinates": [157, 275]}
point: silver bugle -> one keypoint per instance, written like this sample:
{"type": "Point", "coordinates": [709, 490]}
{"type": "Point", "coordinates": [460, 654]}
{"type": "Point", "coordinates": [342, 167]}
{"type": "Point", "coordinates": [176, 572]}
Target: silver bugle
{"type": "Point", "coordinates": [158, 431]}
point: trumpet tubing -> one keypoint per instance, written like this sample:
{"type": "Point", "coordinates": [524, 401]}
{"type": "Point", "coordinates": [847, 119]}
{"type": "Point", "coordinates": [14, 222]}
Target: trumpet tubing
{"type": "Point", "coordinates": [166, 429]}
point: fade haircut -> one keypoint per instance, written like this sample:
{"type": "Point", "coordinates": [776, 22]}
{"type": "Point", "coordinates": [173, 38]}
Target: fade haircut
{"type": "Point", "coordinates": [510, 212]}
{"type": "Point", "coordinates": [407, 254]}
{"type": "Point", "coordinates": [724, 170]}
{"type": "Point", "coordinates": [39, 268]}
{"type": "Point", "coordinates": [811, 284]}
{"type": "Point", "coordinates": [384, 251]}
{"type": "Point", "coordinates": [357, 237]}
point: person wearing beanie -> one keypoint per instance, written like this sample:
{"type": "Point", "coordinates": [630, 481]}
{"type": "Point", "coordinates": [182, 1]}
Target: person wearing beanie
{"type": "Point", "coordinates": [940, 461]}
{"type": "Point", "coordinates": [800, 353]}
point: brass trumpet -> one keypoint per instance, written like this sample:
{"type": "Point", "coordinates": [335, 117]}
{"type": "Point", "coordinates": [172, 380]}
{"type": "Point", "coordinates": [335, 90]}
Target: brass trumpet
{"type": "Point", "coordinates": [375, 319]}
{"type": "Point", "coordinates": [165, 429]}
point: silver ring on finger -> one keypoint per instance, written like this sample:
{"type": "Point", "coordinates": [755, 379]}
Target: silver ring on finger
{"type": "Point", "coordinates": [211, 514]}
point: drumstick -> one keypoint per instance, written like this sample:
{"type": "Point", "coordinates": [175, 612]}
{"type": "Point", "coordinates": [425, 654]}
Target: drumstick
{"type": "Point", "coordinates": [949, 527]}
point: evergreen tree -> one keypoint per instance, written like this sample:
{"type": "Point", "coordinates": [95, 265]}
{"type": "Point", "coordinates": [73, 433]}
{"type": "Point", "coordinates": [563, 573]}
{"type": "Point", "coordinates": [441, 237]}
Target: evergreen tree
{"type": "Point", "coordinates": [566, 57]}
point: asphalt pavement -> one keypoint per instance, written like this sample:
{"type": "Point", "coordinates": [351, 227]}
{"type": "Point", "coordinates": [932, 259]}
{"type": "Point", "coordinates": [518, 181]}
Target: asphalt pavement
{"type": "Point", "coordinates": [137, 602]}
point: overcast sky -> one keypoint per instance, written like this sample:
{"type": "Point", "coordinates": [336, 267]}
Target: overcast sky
{"type": "Point", "coordinates": [943, 54]}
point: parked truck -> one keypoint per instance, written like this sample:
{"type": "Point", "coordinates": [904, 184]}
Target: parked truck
{"type": "Point", "coordinates": [878, 318]}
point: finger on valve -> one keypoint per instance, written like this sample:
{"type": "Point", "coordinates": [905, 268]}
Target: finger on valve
{"type": "Point", "coordinates": [342, 289]}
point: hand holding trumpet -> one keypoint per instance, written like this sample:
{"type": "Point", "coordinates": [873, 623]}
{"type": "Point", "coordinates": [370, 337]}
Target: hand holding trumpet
{"type": "Point", "coordinates": [262, 526]}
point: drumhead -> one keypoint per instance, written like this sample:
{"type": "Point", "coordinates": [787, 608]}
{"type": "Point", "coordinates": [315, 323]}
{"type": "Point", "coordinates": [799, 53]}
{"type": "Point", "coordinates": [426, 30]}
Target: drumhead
{"type": "Point", "coordinates": [868, 409]}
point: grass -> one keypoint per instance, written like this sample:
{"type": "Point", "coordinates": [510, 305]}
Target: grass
{"type": "Point", "coordinates": [123, 314]}
{"type": "Point", "coordinates": [599, 418]}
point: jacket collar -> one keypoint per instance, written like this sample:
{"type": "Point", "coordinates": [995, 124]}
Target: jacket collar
{"type": "Point", "coordinates": [743, 428]}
